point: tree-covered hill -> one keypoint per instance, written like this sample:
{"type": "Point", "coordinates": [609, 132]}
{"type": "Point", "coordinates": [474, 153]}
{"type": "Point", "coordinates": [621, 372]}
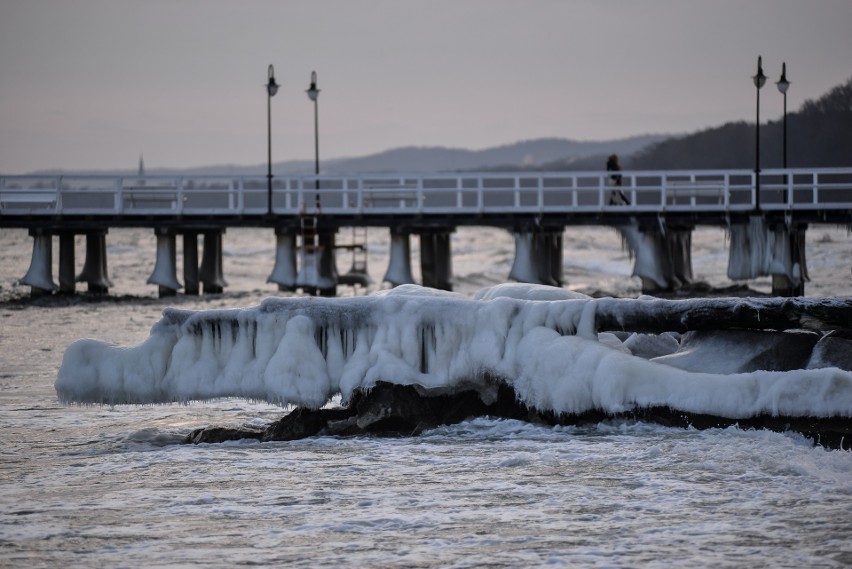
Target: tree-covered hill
{"type": "Point", "coordinates": [818, 135]}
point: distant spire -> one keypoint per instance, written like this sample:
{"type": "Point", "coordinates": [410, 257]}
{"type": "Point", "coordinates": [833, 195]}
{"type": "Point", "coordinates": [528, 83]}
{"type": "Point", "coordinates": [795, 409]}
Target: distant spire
{"type": "Point", "coordinates": [141, 166]}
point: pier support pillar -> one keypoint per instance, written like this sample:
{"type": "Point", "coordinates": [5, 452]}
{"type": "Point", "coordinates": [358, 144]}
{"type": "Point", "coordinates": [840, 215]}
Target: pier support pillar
{"type": "Point", "coordinates": [399, 265]}
{"type": "Point", "coordinates": [679, 248]}
{"type": "Point", "coordinates": [549, 256]}
{"type": "Point", "coordinates": [95, 266]}
{"type": "Point", "coordinates": [191, 284]}
{"type": "Point", "coordinates": [538, 257]}
{"type": "Point", "coordinates": [211, 274]}
{"type": "Point", "coordinates": [358, 274]}
{"type": "Point", "coordinates": [759, 248]}
{"type": "Point", "coordinates": [165, 267]}
{"type": "Point", "coordinates": [662, 256]}
{"type": "Point", "coordinates": [436, 262]}
{"type": "Point", "coordinates": [327, 285]}
{"type": "Point", "coordinates": [524, 269]}
{"type": "Point", "coordinates": [284, 272]}
{"type": "Point", "coordinates": [792, 281]}
{"type": "Point", "coordinates": [318, 271]}
{"type": "Point", "coordinates": [39, 277]}
{"type": "Point", "coordinates": [67, 267]}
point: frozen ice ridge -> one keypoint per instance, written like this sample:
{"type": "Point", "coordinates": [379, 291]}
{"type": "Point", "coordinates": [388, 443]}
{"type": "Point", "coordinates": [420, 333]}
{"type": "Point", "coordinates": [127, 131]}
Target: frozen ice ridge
{"type": "Point", "coordinates": [543, 342]}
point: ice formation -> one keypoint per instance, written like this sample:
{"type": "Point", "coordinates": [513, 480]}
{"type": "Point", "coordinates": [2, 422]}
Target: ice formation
{"type": "Point", "coordinates": [304, 351]}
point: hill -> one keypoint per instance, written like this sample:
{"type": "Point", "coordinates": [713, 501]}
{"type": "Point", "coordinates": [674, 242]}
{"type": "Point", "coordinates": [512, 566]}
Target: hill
{"type": "Point", "coordinates": [530, 154]}
{"type": "Point", "coordinates": [526, 154]}
{"type": "Point", "coordinates": [818, 135]}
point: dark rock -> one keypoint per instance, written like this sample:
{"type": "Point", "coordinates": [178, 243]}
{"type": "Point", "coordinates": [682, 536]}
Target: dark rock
{"type": "Point", "coordinates": [389, 408]}
{"type": "Point", "coordinates": [222, 434]}
{"type": "Point", "coordinates": [405, 410]}
{"type": "Point", "coordinates": [302, 423]}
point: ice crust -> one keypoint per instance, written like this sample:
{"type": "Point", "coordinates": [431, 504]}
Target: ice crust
{"type": "Point", "coordinates": [304, 351]}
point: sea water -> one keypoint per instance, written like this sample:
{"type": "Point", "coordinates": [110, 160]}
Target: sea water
{"type": "Point", "coordinates": [113, 486]}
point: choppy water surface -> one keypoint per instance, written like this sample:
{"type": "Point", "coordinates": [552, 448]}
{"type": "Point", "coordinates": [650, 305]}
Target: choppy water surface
{"type": "Point", "coordinates": [108, 487]}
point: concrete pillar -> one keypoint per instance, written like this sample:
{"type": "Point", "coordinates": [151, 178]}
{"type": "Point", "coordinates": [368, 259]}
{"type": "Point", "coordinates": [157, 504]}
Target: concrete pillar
{"type": "Point", "coordinates": [95, 266]}
{"type": "Point", "coordinates": [317, 270]}
{"type": "Point", "coordinates": [357, 275]}
{"type": "Point", "coordinates": [523, 268]}
{"type": "Point", "coordinates": [67, 267]}
{"type": "Point", "coordinates": [760, 249]}
{"type": "Point", "coordinates": [444, 260]}
{"type": "Point", "coordinates": [662, 255]}
{"type": "Point", "coordinates": [39, 277]}
{"type": "Point", "coordinates": [792, 281]}
{"type": "Point", "coordinates": [284, 272]}
{"type": "Point", "coordinates": [165, 267]}
{"type": "Point", "coordinates": [679, 248]}
{"type": "Point", "coordinates": [191, 284]}
{"type": "Point", "coordinates": [399, 265]}
{"type": "Point", "coordinates": [538, 257]}
{"type": "Point", "coordinates": [436, 263]}
{"type": "Point", "coordinates": [211, 273]}
{"type": "Point", "coordinates": [549, 256]}
{"type": "Point", "coordinates": [327, 284]}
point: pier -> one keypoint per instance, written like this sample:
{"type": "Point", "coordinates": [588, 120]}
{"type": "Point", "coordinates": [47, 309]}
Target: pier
{"type": "Point", "coordinates": [305, 214]}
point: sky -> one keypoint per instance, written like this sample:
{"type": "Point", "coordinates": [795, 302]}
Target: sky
{"type": "Point", "coordinates": [93, 84]}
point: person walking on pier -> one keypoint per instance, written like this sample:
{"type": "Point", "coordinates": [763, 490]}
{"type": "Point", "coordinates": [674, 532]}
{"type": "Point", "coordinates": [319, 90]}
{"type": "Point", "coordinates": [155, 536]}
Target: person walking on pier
{"type": "Point", "coordinates": [616, 196]}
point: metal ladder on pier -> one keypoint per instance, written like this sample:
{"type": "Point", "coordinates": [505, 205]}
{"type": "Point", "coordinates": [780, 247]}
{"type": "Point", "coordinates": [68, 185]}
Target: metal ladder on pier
{"type": "Point", "coordinates": [309, 236]}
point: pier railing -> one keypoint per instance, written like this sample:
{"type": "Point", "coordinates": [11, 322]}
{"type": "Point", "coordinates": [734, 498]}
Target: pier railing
{"type": "Point", "coordinates": [427, 194]}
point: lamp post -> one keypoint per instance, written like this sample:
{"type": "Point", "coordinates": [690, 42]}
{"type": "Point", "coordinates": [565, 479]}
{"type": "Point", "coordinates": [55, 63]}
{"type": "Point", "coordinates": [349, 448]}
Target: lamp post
{"type": "Point", "coordinates": [313, 95]}
{"type": "Point", "coordinates": [271, 89]}
{"type": "Point", "coordinates": [783, 85]}
{"type": "Point", "coordinates": [759, 81]}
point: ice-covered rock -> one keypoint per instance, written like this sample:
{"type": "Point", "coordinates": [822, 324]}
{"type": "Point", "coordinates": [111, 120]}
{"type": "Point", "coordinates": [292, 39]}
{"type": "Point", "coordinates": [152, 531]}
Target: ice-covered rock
{"type": "Point", "coordinates": [741, 351]}
{"type": "Point", "coordinates": [649, 346]}
{"type": "Point", "coordinates": [304, 351]}
{"type": "Point", "coordinates": [832, 350]}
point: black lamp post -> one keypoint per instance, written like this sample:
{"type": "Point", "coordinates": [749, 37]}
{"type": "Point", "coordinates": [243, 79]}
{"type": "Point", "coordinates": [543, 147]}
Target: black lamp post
{"type": "Point", "coordinates": [783, 85]}
{"type": "Point", "coordinates": [759, 81]}
{"type": "Point", "coordinates": [271, 89]}
{"type": "Point", "coordinates": [313, 95]}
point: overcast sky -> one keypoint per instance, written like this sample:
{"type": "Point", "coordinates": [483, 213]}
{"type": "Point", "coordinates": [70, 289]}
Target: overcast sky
{"type": "Point", "coordinates": [89, 84]}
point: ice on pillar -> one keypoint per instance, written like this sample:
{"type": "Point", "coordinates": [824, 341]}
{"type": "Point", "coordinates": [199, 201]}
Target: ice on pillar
{"type": "Point", "coordinates": [165, 267]}
{"type": "Point", "coordinates": [756, 249]}
{"type": "Point", "coordinates": [679, 246]}
{"type": "Point", "coordinates": [211, 272]}
{"type": "Point", "coordinates": [650, 256]}
{"type": "Point", "coordinates": [399, 266]}
{"type": "Point", "coordinates": [314, 276]}
{"type": "Point", "coordinates": [792, 281]}
{"type": "Point", "coordinates": [317, 269]}
{"type": "Point", "coordinates": [538, 257]}
{"type": "Point", "coordinates": [525, 267]}
{"type": "Point", "coordinates": [284, 272]}
{"type": "Point", "coordinates": [547, 249]}
{"type": "Point", "coordinates": [39, 277]}
{"type": "Point", "coordinates": [95, 266]}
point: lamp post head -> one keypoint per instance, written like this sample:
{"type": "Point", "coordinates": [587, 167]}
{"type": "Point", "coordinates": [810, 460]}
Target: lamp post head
{"type": "Point", "coordinates": [760, 78]}
{"type": "Point", "coordinates": [271, 85]}
{"type": "Point", "coordinates": [313, 92]}
{"type": "Point", "coordinates": [782, 83]}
